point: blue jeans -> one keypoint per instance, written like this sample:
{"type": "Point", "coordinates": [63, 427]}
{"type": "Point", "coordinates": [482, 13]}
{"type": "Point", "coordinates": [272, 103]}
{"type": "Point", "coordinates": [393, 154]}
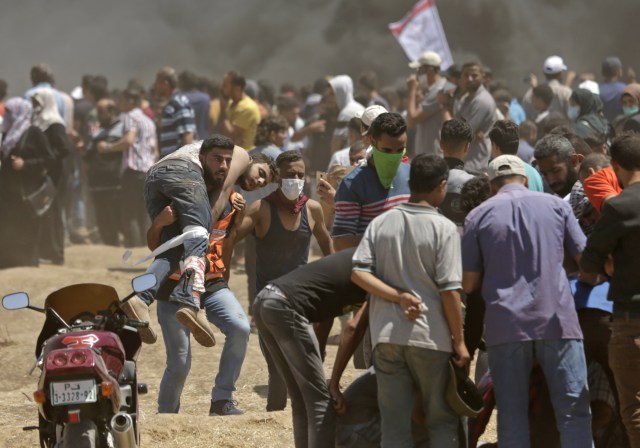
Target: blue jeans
{"type": "Point", "coordinates": [226, 313]}
{"type": "Point", "coordinates": [565, 369]}
{"type": "Point", "coordinates": [181, 183]}
{"type": "Point", "coordinates": [402, 370]}
{"type": "Point", "coordinates": [290, 341]}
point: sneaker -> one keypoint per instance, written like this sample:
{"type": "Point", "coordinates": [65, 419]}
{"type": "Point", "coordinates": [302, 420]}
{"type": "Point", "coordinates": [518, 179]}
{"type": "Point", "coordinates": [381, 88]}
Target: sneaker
{"type": "Point", "coordinates": [224, 407]}
{"type": "Point", "coordinates": [197, 323]}
{"type": "Point", "coordinates": [136, 309]}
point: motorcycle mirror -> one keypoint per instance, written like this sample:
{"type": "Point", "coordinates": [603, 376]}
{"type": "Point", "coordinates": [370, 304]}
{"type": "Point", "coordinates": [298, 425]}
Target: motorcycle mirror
{"type": "Point", "coordinates": [144, 282]}
{"type": "Point", "coordinates": [15, 301]}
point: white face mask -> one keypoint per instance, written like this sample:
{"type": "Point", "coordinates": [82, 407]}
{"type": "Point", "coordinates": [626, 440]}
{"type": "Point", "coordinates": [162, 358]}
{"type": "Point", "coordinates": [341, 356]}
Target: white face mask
{"type": "Point", "coordinates": [422, 80]}
{"type": "Point", "coordinates": [292, 188]}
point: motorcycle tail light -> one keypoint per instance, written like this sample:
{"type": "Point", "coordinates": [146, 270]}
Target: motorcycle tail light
{"type": "Point", "coordinates": [60, 359]}
{"type": "Point", "coordinates": [78, 358]}
{"type": "Point", "coordinates": [39, 396]}
{"type": "Point", "coordinates": [106, 388]}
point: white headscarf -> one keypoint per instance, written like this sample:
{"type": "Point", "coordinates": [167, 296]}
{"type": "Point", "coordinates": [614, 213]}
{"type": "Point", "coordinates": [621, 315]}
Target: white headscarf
{"type": "Point", "coordinates": [16, 122]}
{"type": "Point", "coordinates": [46, 112]}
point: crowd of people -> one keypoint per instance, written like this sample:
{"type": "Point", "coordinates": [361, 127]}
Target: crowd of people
{"type": "Point", "coordinates": [455, 221]}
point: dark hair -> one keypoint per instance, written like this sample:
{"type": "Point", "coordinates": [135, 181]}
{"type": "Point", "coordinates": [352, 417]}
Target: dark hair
{"type": "Point", "coordinates": [287, 157]}
{"type": "Point", "coordinates": [580, 146]}
{"type": "Point", "coordinates": [474, 192]}
{"type": "Point", "coordinates": [389, 123]}
{"type": "Point", "coordinates": [320, 85]}
{"type": "Point", "coordinates": [355, 124]}
{"type": "Point", "coordinates": [455, 133]}
{"type": "Point", "coordinates": [357, 147]}
{"type": "Point", "coordinates": [133, 95]}
{"type": "Point", "coordinates": [554, 120]}
{"type": "Point", "coordinates": [625, 151]}
{"type": "Point", "coordinates": [268, 125]}
{"type": "Point", "coordinates": [427, 173]}
{"type": "Point", "coordinates": [3, 89]}
{"type": "Point", "coordinates": [554, 145]}
{"type": "Point", "coordinates": [187, 80]}
{"type": "Point", "coordinates": [137, 84]}
{"type": "Point", "coordinates": [86, 81]}
{"type": "Point", "coordinates": [526, 128]}
{"type": "Point", "coordinates": [41, 73]}
{"type": "Point", "coordinates": [472, 64]}
{"type": "Point", "coordinates": [286, 102]}
{"type": "Point", "coordinates": [502, 95]}
{"type": "Point", "coordinates": [216, 141]}
{"type": "Point", "coordinates": [504, 135]}
{"type": "Point", "coordinates": [259, 157]}
{"type": "Point", "coordinates": [288, 88]}
{"type": "Point", "coordinates": [369, 80]}
{"type": "Point", "coordinates": [237, 79]}
{"type": "Point", "coordinates": [595, 161]}
{"type": "Point", "coordinates": [266, 92]}
{"type": "Point", "coordinates": [168, 74]}
{"type": "Point", "coordinates": [99, 87]}
{"type": "Point", "coordinates": [544, 92]}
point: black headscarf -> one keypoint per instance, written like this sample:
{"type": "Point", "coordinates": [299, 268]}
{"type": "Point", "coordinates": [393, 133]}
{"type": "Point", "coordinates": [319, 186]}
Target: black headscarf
{"type": "Point", "coordinates": [590, 121]}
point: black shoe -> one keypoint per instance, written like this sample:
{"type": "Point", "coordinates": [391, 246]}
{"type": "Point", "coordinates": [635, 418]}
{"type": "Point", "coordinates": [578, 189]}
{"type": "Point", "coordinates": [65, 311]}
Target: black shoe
{"type": "Point", "coordinates": [224, 407]}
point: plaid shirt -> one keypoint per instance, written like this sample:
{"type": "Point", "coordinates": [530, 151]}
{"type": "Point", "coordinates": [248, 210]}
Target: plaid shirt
{"type": "Point", "coordinates": [142, 154]}
{"type": "Point", "coordinates": [177, 118]}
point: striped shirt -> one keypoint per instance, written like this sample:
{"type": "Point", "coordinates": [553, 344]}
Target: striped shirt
{"type": "Point", "coordinates": [177, 118]}
{"type": "Point", "coordinates": [142, 154]}
{"type": "Point", "coordinates": [361, 197]}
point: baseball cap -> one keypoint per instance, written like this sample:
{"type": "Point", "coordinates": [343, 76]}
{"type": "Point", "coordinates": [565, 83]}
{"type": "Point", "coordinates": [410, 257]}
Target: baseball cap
{"type": "Point", "coordinates": [553, 65]}
{"type": "Point", "coordinates": [462, 395]}
{"type": "Point", "coordinates": [506, 165]}
{"type": "Point", "coordinates": [591, 86]}
{"type": "Point", "coordinates": [430, 58]}
{"type": "Point", "coordinates": [370, 114]}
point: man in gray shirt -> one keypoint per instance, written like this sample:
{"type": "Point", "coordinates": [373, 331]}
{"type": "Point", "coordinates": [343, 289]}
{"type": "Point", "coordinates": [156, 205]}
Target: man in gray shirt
{"type": "Point", "coordinates": [426, 116]}
{"type": "Point", "coordinates": [479, 109]}
{"type": "Point", "coordinates": [416, 315]}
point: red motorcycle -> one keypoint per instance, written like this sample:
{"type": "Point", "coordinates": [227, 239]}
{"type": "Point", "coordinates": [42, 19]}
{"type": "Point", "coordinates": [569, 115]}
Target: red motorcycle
{"type": "Point", "coordinates": [88, 389]}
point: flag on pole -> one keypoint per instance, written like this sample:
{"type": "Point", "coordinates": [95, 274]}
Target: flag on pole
{"type": "Point", "coordinates": [421, 30]}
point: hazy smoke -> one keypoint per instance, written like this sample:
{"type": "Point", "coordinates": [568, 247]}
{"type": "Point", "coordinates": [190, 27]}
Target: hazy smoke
{"type": "Point", "coordinates": [297, 41]}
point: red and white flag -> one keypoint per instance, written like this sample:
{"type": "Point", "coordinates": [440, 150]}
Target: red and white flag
{"type": "Point", "coordinates": [421, 30]}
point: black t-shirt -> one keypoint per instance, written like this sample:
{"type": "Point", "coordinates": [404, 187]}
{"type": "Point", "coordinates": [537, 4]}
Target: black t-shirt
{"type": "Point", "coordinates": [322, 289]}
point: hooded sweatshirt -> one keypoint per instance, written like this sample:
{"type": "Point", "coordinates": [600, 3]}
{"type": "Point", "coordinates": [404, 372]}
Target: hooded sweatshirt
{"type": "Point", "coordinates": [342, 86]}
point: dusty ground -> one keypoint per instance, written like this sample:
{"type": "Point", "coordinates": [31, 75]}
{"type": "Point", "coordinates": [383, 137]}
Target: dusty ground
{"type": "Point", "coordinates": [192, 427]}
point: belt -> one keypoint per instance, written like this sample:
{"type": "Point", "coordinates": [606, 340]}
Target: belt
{"type": "Point", "coordinates": [275, 290]}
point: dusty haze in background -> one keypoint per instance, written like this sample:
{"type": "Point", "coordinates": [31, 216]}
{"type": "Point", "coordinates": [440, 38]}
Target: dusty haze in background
{"type": "Point", "coordinates": [299, 40]}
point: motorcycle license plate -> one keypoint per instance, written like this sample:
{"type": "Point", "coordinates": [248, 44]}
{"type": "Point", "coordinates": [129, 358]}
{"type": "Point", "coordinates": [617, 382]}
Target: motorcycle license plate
{"type": "Point", "coordinates": [73, 392]}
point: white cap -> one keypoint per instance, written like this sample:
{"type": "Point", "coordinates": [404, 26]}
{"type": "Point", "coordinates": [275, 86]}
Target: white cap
{"type": "Point", "coordinates": [553, 65]}
{"type": "Point", "coordinates": [370, 114]}
{"type": "Point", "coordinates": [591, 86]}
{"type": "Point", "coordinates": [430, 58]}
{"type": "Point", "coordinates": [506, 165]}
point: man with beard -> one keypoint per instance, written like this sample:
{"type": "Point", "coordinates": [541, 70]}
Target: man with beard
{"type": "Point", "coordinates": [558, 163]}
{"type": "Point", "coordinates": [190, 179]}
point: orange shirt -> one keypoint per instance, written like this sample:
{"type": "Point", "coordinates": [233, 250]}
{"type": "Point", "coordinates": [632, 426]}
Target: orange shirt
{"type": "Point", "coordinates": [600, 186]}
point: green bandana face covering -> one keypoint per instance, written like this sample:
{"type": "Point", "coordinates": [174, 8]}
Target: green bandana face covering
{"type": "Point", "coordinates": [386, 165]}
